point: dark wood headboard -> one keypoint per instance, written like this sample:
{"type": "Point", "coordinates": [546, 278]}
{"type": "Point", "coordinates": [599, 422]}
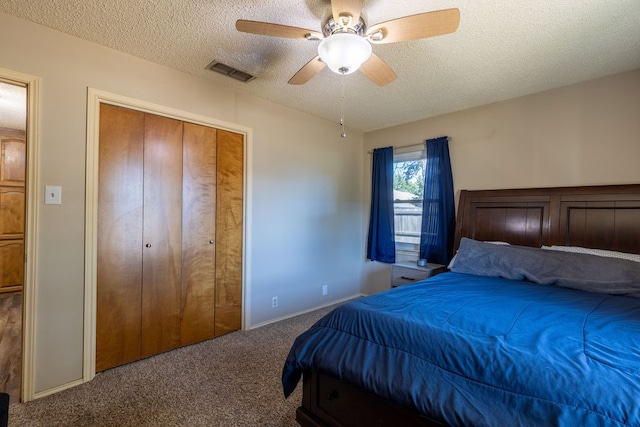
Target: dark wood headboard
{"type": "Point", "coordinates": [602, 217]}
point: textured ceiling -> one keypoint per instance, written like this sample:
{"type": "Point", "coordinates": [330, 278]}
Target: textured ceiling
{"type": "Point", "coordinates": [502, 49]}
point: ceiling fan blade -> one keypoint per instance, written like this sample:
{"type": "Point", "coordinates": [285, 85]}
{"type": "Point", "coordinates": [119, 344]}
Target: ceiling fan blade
{"type": "Point", "coordinates": [378, 71]}
{"type": "Point", "coordinates": [305, 73]}
{"type": "Point", "coordinates": [415, 27]}
{"type": "Point", "coordinates": [276, 30]}
{"type": "Point", "coordinates": [351, 8]}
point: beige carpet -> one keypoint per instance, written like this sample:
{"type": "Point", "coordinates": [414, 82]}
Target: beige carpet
{"type": "Point", "coordinates": [233, 380]}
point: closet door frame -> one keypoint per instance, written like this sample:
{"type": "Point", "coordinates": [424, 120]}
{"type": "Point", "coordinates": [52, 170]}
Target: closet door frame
{"type": "Point", "coordinates": [96, 97]}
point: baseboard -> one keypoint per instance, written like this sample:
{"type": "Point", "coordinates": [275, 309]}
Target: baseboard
{"type": "Point", "coordinates": [57, 389]}
{"type": "Point", "coordinates": [298, 313]}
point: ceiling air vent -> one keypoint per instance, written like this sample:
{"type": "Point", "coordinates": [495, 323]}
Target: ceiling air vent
{"type": "Point", "coordinates": [227, 70]}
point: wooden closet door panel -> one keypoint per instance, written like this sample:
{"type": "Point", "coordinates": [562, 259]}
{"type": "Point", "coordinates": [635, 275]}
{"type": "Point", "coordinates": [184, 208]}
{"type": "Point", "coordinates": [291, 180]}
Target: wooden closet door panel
{"type": "Point", "coordinates": [119, 259]}
{"type": "Point", "coordinates": [162, 240]}
{"type": "Point", "coordinates": [228, 307]}
{"type": "Point", "coordinates": [198, 232]}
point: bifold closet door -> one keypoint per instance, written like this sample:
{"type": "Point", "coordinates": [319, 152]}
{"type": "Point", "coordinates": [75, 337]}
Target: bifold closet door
{"type": "Point", "coordinates": [139, 263]}
{"type": "Point", "coordinates": [119, 260]}
{"type": "Point", "coordinates": [170, 209]}
{"type": "Point", "coordinates": [198, 233]}
{"type": "Point", "coordinates": [228, 306]}
{"type": "Point", "coordinates": [162, 235]}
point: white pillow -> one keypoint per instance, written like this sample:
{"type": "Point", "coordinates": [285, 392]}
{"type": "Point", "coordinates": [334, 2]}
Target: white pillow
{"type": "Point", "coordinates": [598, 252]}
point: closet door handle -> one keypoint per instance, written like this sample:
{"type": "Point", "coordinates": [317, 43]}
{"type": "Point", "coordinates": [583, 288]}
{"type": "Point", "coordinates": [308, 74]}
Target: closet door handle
{"type": "Point", "coordinates": [148, 245]}
{"type": "Point", "coordinates": [211, 242]}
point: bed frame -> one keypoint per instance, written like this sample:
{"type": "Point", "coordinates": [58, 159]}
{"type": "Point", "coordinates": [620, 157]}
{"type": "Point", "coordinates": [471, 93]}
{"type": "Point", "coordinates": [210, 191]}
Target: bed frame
{"type": "Point", "coordinates": [603, 217]}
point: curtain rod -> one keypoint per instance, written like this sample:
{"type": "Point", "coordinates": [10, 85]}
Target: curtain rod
{"type": "Point", "coordinates": [408, 145]}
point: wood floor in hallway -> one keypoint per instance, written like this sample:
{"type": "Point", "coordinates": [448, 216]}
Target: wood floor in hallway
{"type": "Point", "coordinates": [11, 344]}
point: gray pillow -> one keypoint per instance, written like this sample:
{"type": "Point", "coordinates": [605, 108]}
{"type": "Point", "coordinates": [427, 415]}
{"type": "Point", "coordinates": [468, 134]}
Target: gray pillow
{"type": "Point", "coordinates": [585, 272]}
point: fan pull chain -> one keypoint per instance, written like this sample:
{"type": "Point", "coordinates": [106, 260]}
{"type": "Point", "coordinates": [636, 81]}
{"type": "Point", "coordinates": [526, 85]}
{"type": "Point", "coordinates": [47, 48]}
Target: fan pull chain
{"type": "Point", "coordinates": [343, 134]}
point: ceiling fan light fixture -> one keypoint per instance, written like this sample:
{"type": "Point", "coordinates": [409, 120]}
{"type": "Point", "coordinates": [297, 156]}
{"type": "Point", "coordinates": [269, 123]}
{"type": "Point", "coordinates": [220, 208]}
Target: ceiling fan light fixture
{"type": "Point", "coordinates": [344, 52]}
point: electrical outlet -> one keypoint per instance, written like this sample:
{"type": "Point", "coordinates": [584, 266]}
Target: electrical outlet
{"type": "Point", "coordinates": [274, 302]}
{"type": "Point", "coordinates": [325, 289]}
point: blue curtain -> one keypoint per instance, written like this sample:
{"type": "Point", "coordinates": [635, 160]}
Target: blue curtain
{"type": "Point", "coordinates": [438, 210]}
{"type": "Point", "coordinates": [381, 245]}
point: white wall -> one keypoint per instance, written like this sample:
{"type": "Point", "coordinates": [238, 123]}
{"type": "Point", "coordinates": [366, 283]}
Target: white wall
{"type": "Point", "coordinates": [583, 134]}
{"type": "Point", "coordinates": [306, 222]}
{"type": "Point", "coordinates": [306, 197]}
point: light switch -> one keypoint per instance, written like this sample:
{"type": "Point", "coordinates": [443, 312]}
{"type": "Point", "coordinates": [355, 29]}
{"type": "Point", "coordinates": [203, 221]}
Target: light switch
{"type": "Point", "coordinates": [52, 195]}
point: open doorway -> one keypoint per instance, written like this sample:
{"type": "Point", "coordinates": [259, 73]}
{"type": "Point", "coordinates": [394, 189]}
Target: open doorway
{"type": "Point", "coordinates": [13, 143]}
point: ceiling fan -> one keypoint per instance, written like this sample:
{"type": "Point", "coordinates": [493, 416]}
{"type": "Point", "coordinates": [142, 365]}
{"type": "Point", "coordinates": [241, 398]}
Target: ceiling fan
{"type": "Point", "coordinates": [345, 41]}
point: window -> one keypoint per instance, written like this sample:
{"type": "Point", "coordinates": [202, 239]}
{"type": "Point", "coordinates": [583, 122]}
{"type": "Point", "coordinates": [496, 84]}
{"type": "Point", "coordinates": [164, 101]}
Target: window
{"type": "Point", "coordinates": [408, 191]}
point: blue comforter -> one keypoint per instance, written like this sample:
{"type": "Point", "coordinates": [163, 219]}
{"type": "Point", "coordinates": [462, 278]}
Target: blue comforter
{"type": "Point", "coordinates": [471, 350]}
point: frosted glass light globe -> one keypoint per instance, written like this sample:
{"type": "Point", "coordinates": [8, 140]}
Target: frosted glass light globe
{"type": "Point", "coordinates": [344, 53]}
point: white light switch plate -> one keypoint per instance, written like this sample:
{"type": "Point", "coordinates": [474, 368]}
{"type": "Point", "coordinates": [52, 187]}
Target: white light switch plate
{"type": "Point", "coordinates": [52, 195]}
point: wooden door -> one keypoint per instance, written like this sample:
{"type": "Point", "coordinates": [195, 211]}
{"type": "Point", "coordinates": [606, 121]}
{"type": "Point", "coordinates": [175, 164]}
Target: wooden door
{"type": "Point", "coordinates": [198, 233]}
{"type": "Point", "coordinates": [12, 189]}
{"type": "Point", "coordinates": [119, 257]}
{"type": "Point", "coordinates": [162, 236]}
{"type": "Point", "coordinates": [228, 304]}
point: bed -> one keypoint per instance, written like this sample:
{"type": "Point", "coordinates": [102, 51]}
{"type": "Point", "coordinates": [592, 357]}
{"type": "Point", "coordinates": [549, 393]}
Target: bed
{"type": "Point", "coordinates": [514, 334]}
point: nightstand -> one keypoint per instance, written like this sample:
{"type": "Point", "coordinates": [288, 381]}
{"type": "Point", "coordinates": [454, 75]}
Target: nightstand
{"type": "Point", "coordinates": [403, 273]}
